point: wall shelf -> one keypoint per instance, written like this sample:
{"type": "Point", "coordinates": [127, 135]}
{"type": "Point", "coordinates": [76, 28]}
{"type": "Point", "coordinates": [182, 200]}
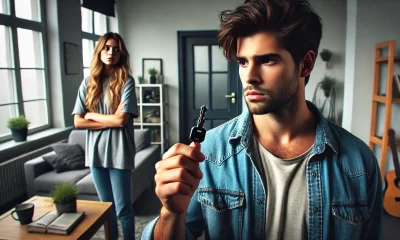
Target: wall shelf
{"type": "Point", "coordinates": [386, 99]}
{"type": "Point", "coordinates": [151, 99]}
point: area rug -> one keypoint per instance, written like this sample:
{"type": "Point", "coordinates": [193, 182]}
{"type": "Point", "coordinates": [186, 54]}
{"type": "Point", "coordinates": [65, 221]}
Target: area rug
{"type": "Point", "coordinates": [140, 223]}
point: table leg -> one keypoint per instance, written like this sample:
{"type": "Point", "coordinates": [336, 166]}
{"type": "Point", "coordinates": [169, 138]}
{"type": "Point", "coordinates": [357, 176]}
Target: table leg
{"type": "Point", "coordinates": [107, 225]}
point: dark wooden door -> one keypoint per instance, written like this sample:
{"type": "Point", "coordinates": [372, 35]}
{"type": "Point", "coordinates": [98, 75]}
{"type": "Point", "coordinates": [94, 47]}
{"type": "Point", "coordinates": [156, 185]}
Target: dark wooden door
{"type": "Point", "coordinates": [206, 78]}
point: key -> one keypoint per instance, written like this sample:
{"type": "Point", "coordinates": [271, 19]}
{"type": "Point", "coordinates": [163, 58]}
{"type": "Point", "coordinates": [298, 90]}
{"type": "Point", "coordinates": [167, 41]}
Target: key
{"type": "Point", "coordinates": [198, 133]}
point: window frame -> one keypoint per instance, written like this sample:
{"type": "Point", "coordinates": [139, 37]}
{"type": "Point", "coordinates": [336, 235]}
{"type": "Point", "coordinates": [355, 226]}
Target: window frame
{"type": "Point", "coordinates": [13, 22]}
{"type": "Point", "coordinates": [92, 36]}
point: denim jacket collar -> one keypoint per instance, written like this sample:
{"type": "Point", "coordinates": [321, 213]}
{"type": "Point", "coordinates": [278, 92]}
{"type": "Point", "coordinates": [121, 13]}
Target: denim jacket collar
{"type": "Point", "coordinates": [243, 131]}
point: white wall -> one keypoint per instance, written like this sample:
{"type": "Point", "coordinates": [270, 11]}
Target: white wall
{"type": "Point", "coordinates": [333, 15]}
{"type": "Point", "coordinates": [351, 29]}
{"type": "Point", "coordinates": [64, 25]}
{"type": "Point", "coordinates": [375, 24]}
{"type": "Point", "coordinates": [372, 27]}
{"type": "Point", "coordinates": [150, 31]}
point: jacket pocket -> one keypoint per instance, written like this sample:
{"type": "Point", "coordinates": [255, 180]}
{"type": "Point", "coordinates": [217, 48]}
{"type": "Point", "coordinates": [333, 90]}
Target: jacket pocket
{"type": "Point", "coordinates": [223, 212]}
{"type": "Point", "coordinates": [348, 220]}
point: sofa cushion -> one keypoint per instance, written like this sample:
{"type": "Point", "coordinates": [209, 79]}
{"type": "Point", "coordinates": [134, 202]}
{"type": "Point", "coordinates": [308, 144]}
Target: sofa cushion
{"type": "Point", "coordinates": [78, 137]}
{"type": "Point", "coordinates": [142, 138]}
{"type": "Point", "coordinates": [51, 159]}
{"type": "Point", "coordinates": [69, 157]}
{"type": "Point", "coordinates": [46, 181]}
{"type": "Point", "coordinates": [86, 185]}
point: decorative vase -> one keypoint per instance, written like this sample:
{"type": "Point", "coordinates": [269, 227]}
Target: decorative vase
{"type": "Point", "coordinates": [153, 79]}
{"type": "Point", "coordinates": [19, 135]}
{"type": "Point", "coordinates": [66, 208]}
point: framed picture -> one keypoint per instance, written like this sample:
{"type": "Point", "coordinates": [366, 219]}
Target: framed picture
{"type": "Point", "coordinates": [71, 59]}
{"type": "Point", "coordinates": [148, 63]}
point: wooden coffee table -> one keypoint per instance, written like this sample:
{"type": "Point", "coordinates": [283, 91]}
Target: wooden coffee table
{"type": "Point", "coordinates": [96, 214]}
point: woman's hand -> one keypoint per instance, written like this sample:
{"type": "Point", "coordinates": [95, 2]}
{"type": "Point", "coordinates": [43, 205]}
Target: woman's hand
{"type": "Point", "coordinates": [121, 107]}
{"type": "Point", "coordinates": [89, 116]}
{"type": "Point", "coordinates": [117, 120]}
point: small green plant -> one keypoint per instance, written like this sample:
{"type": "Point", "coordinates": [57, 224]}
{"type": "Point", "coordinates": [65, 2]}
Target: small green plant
{"type": "Point", "coordinates": [152, 71]}
{"type": "Point", "coordinates": [18, 123]}
{"type": "Point", "coordinates": [325, 55]}
{"type": "Point", "coordinates": [64, 193]}
{"type": "Point", "coordinates": [141, 79]}
{"type": "Point", "coordinates": [327, 83]}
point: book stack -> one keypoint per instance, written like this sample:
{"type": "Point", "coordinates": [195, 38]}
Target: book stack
{"type": "Point", "coordinates": [51, 222]}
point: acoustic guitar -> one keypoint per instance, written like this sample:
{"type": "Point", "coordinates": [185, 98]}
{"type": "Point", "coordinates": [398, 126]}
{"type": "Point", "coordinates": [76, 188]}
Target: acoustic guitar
{"type": "Point", "coordinates": [391, 195]}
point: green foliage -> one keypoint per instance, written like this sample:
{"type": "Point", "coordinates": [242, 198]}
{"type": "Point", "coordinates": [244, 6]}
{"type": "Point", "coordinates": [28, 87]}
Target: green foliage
{"type": "Point", "coordinates": [325, 55]}
{"type": "Point", "coordinates": [64, 193]}
{"type": "Point", "coordinates": [140, 79]}
{"type": "Point", "coordinates": [152, 71]}
{"type": "Point", "coordinates": [327, 83]}
{"type": "Point", "coordinates": [18, 122]}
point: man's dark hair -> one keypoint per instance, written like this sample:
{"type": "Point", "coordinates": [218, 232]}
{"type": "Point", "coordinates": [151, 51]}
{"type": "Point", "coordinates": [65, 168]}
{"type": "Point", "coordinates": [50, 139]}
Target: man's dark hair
{"type": "Point", "coordinates": [295, 23]}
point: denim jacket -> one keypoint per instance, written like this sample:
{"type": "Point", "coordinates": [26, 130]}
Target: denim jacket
{"type": "Point", "coordinates": [343, 183]}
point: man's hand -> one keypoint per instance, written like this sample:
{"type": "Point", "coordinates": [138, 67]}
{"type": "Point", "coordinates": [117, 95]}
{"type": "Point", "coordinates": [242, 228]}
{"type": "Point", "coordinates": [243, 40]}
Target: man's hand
{"type": "Point", "coordinates": [121, 107]}
{"type": "Point", "coordinates": [178, 176]}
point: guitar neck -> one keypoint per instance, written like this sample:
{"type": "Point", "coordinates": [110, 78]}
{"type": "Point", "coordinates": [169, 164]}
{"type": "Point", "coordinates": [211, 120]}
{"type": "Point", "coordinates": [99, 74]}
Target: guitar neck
{"type": "Point", "coordinates": [393, 148]}
{"type": "Point", "coordinates": [396, 163]}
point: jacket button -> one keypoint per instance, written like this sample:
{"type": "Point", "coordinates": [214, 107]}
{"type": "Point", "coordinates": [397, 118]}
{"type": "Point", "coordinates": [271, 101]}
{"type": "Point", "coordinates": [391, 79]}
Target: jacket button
{"type": "Point", "coordinates": [220, 205]}
{"type": "Point", "coordinates": [316, 209]}
{"type": "Point", "coordinates": [259, 201]}
{"type": "Point", "coordinates": [314, 174]}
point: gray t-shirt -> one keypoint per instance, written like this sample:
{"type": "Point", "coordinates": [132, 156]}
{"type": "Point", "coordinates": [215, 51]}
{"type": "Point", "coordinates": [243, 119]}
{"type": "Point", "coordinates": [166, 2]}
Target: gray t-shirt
{"type": "Point", "coordinates": [286, 189]}
{"type": "Point", "coordinates": [110, 147]}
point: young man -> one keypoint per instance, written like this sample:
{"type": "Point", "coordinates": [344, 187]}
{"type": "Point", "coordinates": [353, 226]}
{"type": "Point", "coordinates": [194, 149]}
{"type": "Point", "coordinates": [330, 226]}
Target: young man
{"type": "Point", "coordinates": [280, 170]}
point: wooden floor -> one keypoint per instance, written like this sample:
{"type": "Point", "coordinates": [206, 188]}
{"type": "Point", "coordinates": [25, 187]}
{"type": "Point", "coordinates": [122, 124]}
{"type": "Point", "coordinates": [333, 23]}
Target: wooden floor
{"type": "Point", "coordinates": [391, 227]}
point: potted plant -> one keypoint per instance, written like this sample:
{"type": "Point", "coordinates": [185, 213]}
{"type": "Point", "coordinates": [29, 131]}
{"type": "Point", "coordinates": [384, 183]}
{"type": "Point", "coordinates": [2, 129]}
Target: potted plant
{"type": "Point", "coordinates": [153, 72]}
{"type": "Point", "coordinates": [326, 84]}
{"type": "Point", "coordinates": [141, 80]}
{"type": "Point", "coordinates": [19, 128]}
{"type": "Point", "coordinates": [326, 56]}
{"type": "Point", "coordinates": [64, 196]}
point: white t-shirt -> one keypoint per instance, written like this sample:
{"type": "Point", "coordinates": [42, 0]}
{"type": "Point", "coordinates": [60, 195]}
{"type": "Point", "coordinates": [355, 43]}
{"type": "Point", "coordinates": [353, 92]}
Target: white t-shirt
{"type": "Point", "coordinates": [286, 189]}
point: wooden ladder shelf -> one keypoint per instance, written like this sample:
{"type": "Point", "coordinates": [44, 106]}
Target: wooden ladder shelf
{"type": "Point", "coordinates": [386, 99]}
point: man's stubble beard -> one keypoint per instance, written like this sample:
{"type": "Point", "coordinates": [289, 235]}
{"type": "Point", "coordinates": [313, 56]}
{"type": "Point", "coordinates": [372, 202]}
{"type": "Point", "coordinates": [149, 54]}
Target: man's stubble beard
{"type": "Point", "coordinates": [284, 99]}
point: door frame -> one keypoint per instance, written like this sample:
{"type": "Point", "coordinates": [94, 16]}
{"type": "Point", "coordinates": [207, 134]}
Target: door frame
{"type": "Point", "coordinates": [182, 36]}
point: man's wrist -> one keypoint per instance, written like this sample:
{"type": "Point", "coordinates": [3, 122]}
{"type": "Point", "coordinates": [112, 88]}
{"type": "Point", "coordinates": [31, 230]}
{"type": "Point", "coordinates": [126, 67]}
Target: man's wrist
{"type": "Point", "coordinates": [168, 215]}
{"type": "Point", "coordinates": [170, 225]}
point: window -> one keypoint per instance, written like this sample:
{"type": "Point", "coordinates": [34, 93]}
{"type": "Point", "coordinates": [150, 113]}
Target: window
{"type": "Point", "coordinates": [23, 69]}
{"type": "Point", "coordinates": [94, 25]}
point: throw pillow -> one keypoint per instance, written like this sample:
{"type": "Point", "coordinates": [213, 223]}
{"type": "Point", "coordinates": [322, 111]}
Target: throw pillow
{"type": "Point", "coordinates": [51, 159]}
{"type": "Point", "coordinates": [69, 157]}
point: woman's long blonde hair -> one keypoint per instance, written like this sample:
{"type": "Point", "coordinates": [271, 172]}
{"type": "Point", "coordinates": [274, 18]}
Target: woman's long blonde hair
{"type": "Point", "coordinates": [117, 79]}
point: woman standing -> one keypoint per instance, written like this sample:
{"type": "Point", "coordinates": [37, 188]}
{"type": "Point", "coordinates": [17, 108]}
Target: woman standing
{"type": "Point", "coordinates": [105, 106]}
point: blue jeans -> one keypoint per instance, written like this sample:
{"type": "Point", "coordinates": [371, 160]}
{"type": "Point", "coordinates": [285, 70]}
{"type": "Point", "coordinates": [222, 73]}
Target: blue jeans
{"type": "Point", "coordinates": [114, 185]}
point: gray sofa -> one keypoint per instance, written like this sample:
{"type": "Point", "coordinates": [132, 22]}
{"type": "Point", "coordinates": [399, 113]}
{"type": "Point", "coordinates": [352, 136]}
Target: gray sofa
{"type": "Point", "coordinates": [41, 177]}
